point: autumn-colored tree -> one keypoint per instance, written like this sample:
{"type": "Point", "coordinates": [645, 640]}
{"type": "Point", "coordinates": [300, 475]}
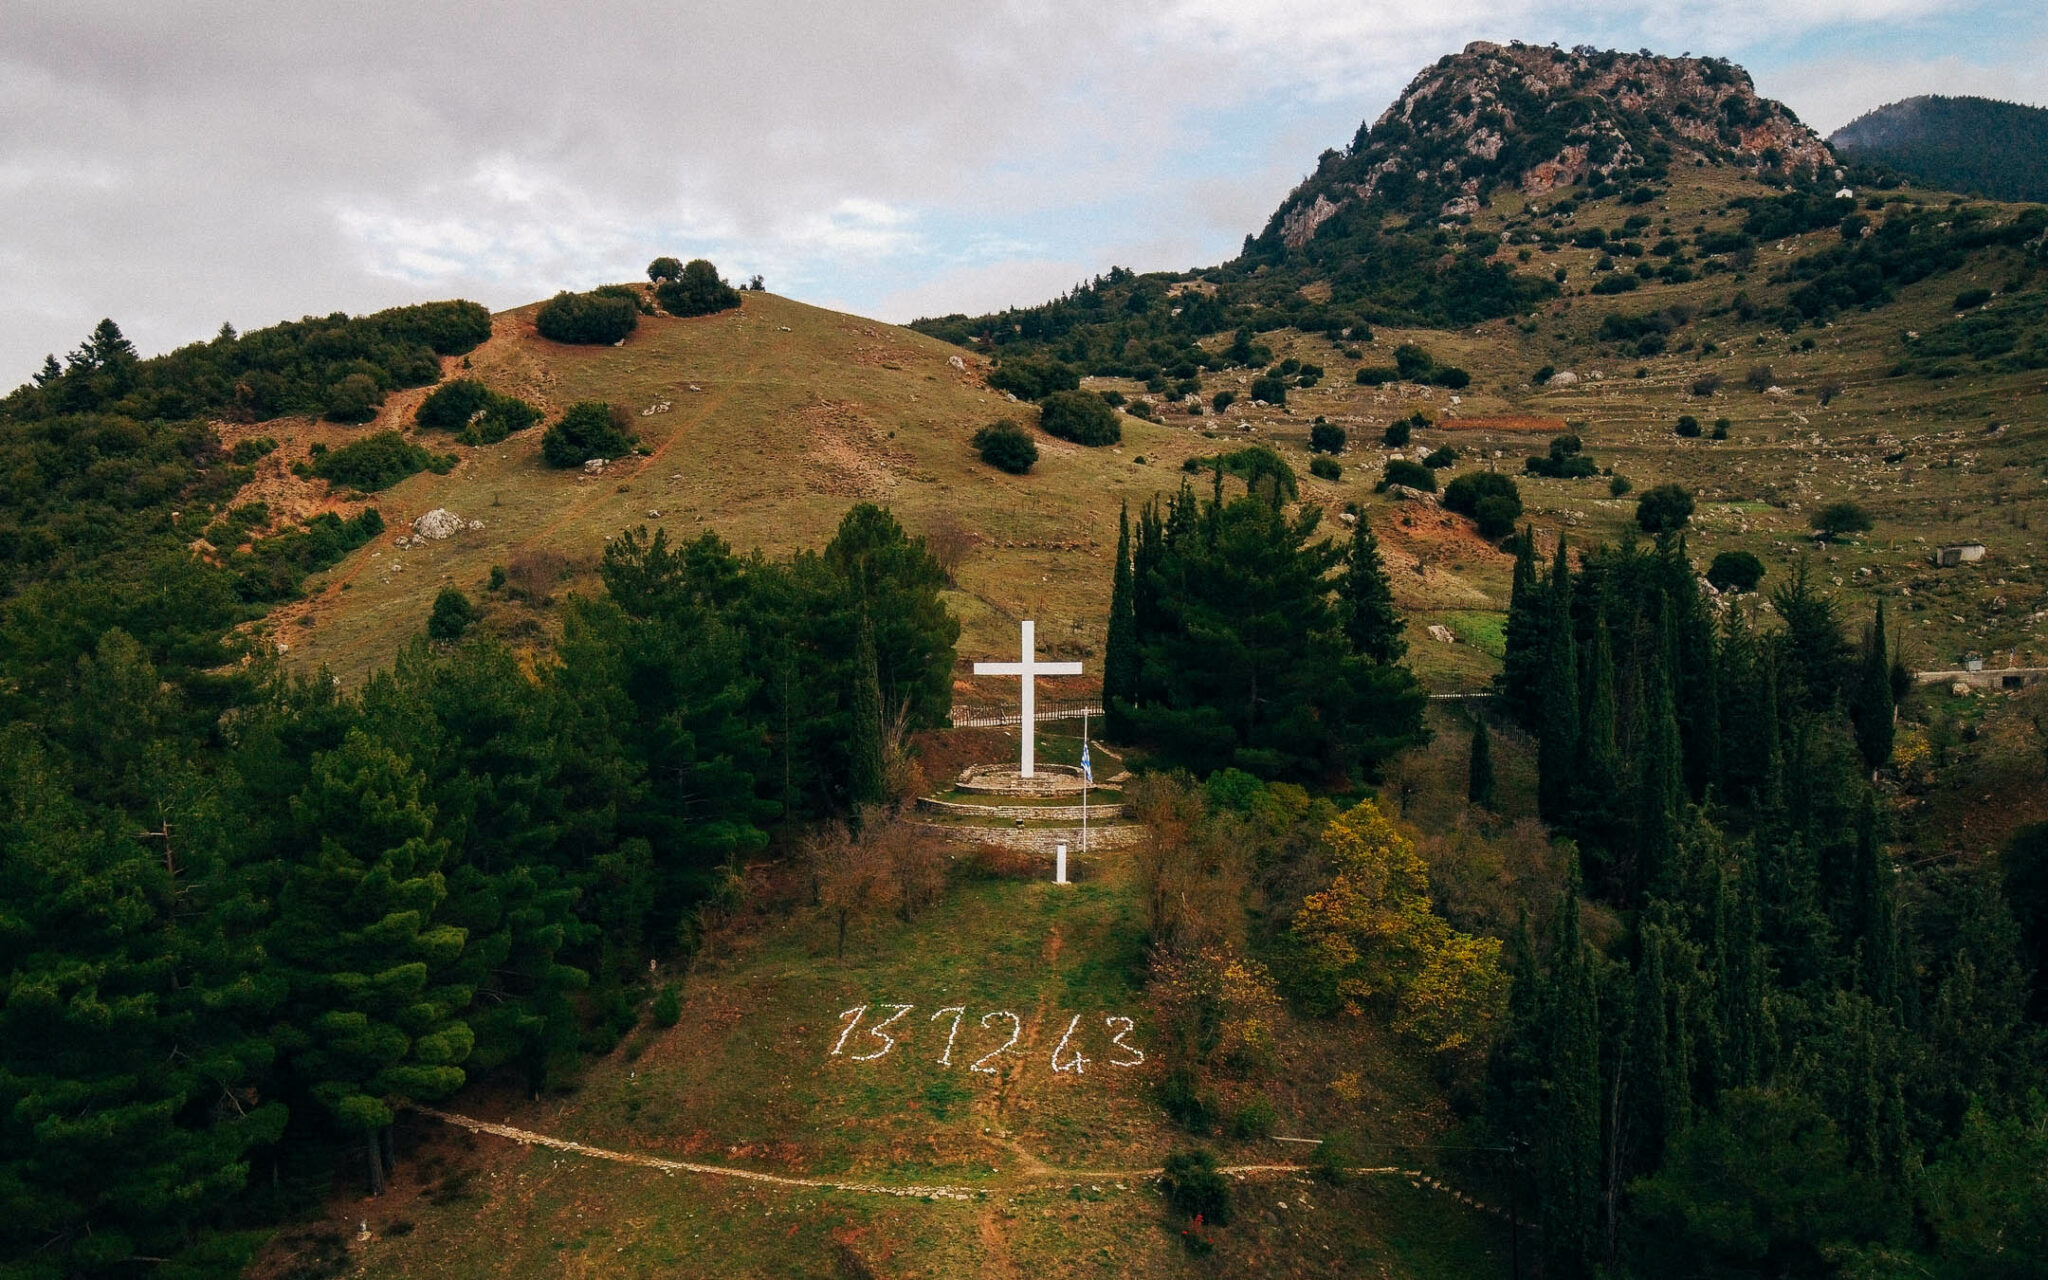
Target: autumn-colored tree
{"type": "Point", "coordinates": [1374, 934]}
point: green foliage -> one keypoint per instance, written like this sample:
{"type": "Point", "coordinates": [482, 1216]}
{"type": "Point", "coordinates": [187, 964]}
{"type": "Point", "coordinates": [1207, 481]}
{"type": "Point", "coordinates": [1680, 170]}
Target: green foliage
{"type": "Point", "coordinates": [1666, 508]}
{"type": "Point", "coordinates": [1326, 468]}
{"type": "Point", "coordinates": [1079, 416]}
{"type": "Point", "coordinates": [1181, 1097]}
{"type": "Point", "coordinates": [1195, 1188]}
{"type": "Point", "coordinates": [478, 414]}
{"type": "Point", "coordinates": [587, 319]}
{"type": "Point", "coordinates": [1619, 485]}
{"type": "Point", "coordinates": [1006, 446]}
{"type": "Point", "coordinates": [590, 429]}
{"type": "Point", "coordinates": [668, 1007]}
{"type": "Point", "coordinates": [664, 269]}
{"type": "Point", "coordinates": [1269, 388]}
{"type": "Point", "coordinates": [1411, 474]}
{"type": "Point", "coordinates": [1492, 499]}
{"type": "Point", "coordinates": [356, 397]}
{"type": "Point", "coordinates": [1253, 1120]}
{"type": "Point", "coordinates": [1397, 434]}
{"type": "Point", "coordinates": [1365, 596]}
{"type": "Point", "coordinates": [1326, 437]}
{"type": "Point", "coordinates": [697, 291]}
{"type": "Point", "coordinates": [1842, 517]}
{"type": "Point", "coordinates": [373, 462]}
{"type": "Point", "coordinates": [1735, 571]}
{"type": "Point", "coordinates": [1036, 379]}
{"type": "Point", "coordinates": [1264, 472]}
{"type": "Point", "coordinates": [1438, 459]}
{"type": "Point", "coordinates": [1565, 461]}
{"type": "Point", "coordinates": [1480, 788]}
{"type": "Point", "coordinates": [452, 615]}
{"type": "Point", "coordinates": [1978, 145]}
{"type": "Point", "coordinates": [1688, 426]}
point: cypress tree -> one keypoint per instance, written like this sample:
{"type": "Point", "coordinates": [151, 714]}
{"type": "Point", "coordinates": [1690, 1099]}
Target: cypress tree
{"type": "Point", "coordinates": [1695, 679]}
{"type": "Point", "coordinates": [1569, 1143]}
{"type": "Point", "coordinates": [1659, 776]}
{"type": "Point", "coordinates": [865, 782]}
{"type": "Point", "coordinates": [1558, 740]}
{"type": "Point", "coordinates": [1479, 786]}
{"type": "Point", "coordinates": [1526, 633]}
{"type": "Point", "coordinates": [1371, 622]}
{"type": "Point", "coordinates": [1870, 702]}
{"type": "Point", "coordinates": [1873, 925]}
{"type": "Point", "coordinates": [1121, 660]}
{"type": "Point", "coordinates": [1738, 978]}
{"type": "Point", "coordinates": [1598, 798]}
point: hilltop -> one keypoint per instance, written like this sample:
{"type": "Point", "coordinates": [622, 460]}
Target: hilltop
{"type": "Point", "coordinates": [1978, 145]}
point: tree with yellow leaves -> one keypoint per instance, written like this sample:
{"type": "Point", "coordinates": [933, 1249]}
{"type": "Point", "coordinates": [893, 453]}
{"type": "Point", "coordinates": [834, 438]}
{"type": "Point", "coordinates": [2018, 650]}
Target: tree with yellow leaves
{"type": "Point", "coordinates": [1373, 934]}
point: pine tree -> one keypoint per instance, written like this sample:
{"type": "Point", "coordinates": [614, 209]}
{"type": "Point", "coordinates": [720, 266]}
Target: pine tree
{"type": "Point", "coordinates": [1695, 679]}
{"type": "Point", "coordinates": [1479, 785]}
{"type": "Point", "coordinates": [1659, 786]}
{"type": "Point", "coordinates": [1870, 700]}
{"type": "Point", "coordinates": [1121, 659]}
{"type": "Point", "coordinates": [866, 784]}
{"type": "Point", "coordinates": [1558, 735]}
{"type": "Point", "coordinates": [1371, 622]}
{"type": "Point", "coordinates": [1597, 802]}
{"type": "Point", "coordinates": [1526, 635]}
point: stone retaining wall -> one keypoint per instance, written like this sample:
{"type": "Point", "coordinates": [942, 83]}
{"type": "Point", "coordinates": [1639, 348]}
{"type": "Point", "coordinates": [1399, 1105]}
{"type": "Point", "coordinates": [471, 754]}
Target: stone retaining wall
{"type": "Point", "coordinates": [1042, 839]}
{"type": "Point", "coordinates": [1028, 812]}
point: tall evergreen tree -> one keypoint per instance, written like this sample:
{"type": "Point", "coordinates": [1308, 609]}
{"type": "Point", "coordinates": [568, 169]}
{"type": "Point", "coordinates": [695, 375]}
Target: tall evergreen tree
{"type": "Point", "coordinates": [1526, 634]}
{"type": "Point", "coordinates": [1659, 782]}
{"type": "Point", "coordinates": [1558, 735]}
{"type": "Point", "coordinates": [1121, 659]}
{"type": "Point", "coordinates": [1871, 708]}
{"type": "Point", "coordinates": [1569, 1125]}
{"type": "Point", "coordinates": [1694, 677]}
{"type": "Point", "coordinates": [1598, 801]}
{"type": "Point", "coordinates": [1371, 622]}
{"type": "Point", "coordinates": [866, 784]}
{"type": "Point", "coordinates": [1479, 783]}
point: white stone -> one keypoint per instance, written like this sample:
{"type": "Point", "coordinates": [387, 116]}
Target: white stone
{"type": "Point", "coordinates": [438, 524]}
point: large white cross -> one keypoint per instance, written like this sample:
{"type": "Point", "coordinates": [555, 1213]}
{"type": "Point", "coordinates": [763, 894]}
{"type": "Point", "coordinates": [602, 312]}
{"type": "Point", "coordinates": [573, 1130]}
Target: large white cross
{"type": "Point", "coordinates": [1030, 669]}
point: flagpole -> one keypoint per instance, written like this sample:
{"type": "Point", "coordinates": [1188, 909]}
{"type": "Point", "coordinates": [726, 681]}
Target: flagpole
{"type": "Point", "coordinates": [1086, 778]}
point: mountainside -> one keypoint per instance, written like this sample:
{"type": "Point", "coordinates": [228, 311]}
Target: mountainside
{"type": "Point", "coordinates": [1998, 149]}
{"type": "Point", "coordinates": [1533, 119]}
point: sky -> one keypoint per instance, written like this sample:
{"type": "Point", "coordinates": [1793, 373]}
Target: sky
{"type": "Point", "coordinates": [175, 166]}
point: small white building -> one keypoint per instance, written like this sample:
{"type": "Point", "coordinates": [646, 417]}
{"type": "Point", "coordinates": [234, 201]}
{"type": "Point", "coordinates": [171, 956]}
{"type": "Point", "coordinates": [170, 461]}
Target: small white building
{"type": "Point", "coordinates": [1956, 553]}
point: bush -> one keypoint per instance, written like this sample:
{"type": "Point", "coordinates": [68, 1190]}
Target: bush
{"type": "Point", "coordinates": [1397, 435]}
{"type": "Point", "coordinates": [1441, 458]}
{"type": "Point", "coordinates": [1452, 377]}
{"type": "Point", "coordinates": [1688, 426]}
{"type": "Point", "coordinates": [354, 398]}
{"type": "Point", "coordinates": [1223, 400]}
{"type": "Point", "coordinates": [1325, 437]}
{"type": "Point", "coordinates": [452, 615]}
{"type": "Point", "coordinates": [1269, 387]}
{"type": "Point", "coordinates": [1543, 376]}
{"type": "Point", "coordinates": [1007, 447]}
{"type": "Point", "coordinates": [1706, 384]}
{"type": "Point", "coordinates": [1195, 1189]}
{"type": "Point", "coordinates": [478, 414]}
{"type": "Point", "coordinates": [1183, 1099]}
{"type": "Point", "coordinates": [1838, 518]}
{"type": "Point", "coordinates": [587, 319]}
{"type": "Point", "coordinates": [1721, 428]}
{"type": "Point", "coordinates": [373, 462]}
{"type": "Point", "coordinates": [1253, 1120]}
{"type": "Point", "coordinates": [1493, 500]}
{"type": "Point", "coordinates": [590, 429]}
{"type": "Point", "coordinates": [696, 292]}
{"type": "Point", "coordinates": [1413, 362]}
{"type": "Point", "coordinates": [664, 269]}
{"type": "Point", "coordinates": [1619, 485]}
{"type": "Point", "coordinates": [1080, 416]}
{"type": "Point", "coordinates": [1619, 282]}
{"type": "Point", "coordinates": [1735, 571]}
{"type": "Point", "coordinates": [1376, 375]}
{"type": "Point", "coordinates": [1759, 377]}
{"type": "Point", "coordinates": [668, 1008]}
{"type": "Point", "coordinates": [1664, 509]}
{"type": "Point", "coordinates": [1033, 379]}
{"type": "Point", "coordinates": [1411, 474]}
{"type": "Point", "coordinates": [1325, 468]}
{"type": "Point", "coordinates": [1971, 299]}
{"type": "Point", "coordinates": [247, 451]}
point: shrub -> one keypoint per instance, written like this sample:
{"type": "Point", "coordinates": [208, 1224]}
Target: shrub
{"type": "Point", "coordinates": [1664, 509]}
{"type": "Point", "coordinates": [1688, 426]}
{"type": "Point", "coordinates": [1828, 389]}
{"type": "Point", "coordinates": [1619, 282]}
{"type": "Point", "coordinates": [1325, 468]}
{"type": "Point", "coordinates": [1543, 376]}
{"type": "Point", "coordinates": [1181, 1097]}
{"type": "Point", "coordinates": [1033, 379]}
{"type": "Point", "coordinates": [1411, 474]}
{"type": "Point", "coordinates": [1452, 377]}
{"type": "Point", "coordinates": [1007, 447]}
{"type": "Point", "coordinates": [1441, 458]}
{"type": "Point", "coordinates": [1269, 387]}
{"type": "Point", "coordinates": [1195, 1189]}
{"type": "Point", "coordinates": [247, 451]}
{"type": "Point", "coordinates": [1759, 377]}
{"type": "Point", "coordinates": [1253, 1120]}
{"type": "Point", "coordinates": [452, 615]}
{"type": "Point", "coordinates": [1706, 384]}
{"type": "Point", "coordinates": [664, 269]}
{"type": "Point", "coordinates": [1838, 518]}
{"type": "Point", "coordinates": [1735, 571]}
{"type": "Point", "coordinates": [1139, 409]}
{"type": "Point", "coordinates": [587, 319]}
{"type": "Point", "coordinates": [354, 398]}
{"type": "Point", "coordinates": [1397, 435]}
{"type": "Point", "coordinates": [696, 292]}
{"type": "Point", "coordinates": [1080, 416]}
{"type": "Point", "coordinates": [373, 462]}
{"type": "Point", "coordinates": [1971, 299]}
{"type": "Point", "coordinates": [668, 1008]}
{"type": "Point", "coordinates": [1493, 500]}
{"type": "Point", "coordinates": [1326, 437]}
{"type": "Point", "coordinates": [1377, 375]}
{"type": "Point", "coordinates": [1721, 426]}
{"type": "Point", "coordinates": [1619, 485]}
{"type": "Point", "coordinates": [1414, 363]}
{"type": "Point", "coordinates": [590, 429]}
{"type": "Point", "coordinates": [1564, 462]}
{"type": "Point", "coordinates": [1223, 400]}
{"type": "Point", "coordinates": [478, 414]}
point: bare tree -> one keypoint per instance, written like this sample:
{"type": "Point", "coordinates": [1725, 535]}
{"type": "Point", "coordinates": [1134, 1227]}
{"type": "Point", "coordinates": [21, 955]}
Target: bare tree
{"type": "Point", "coordinates": [853, 878]}
{"type": "Point", "coordinates": [949, 541]}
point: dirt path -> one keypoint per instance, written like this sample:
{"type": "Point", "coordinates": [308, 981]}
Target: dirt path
{"type": "Point", "coordinates": [1039, 1174]}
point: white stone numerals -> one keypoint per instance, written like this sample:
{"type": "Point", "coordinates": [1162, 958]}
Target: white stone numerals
{"type": "Point", "coordinates": [1067, 1055]}
{"type": "Point", "coordinates": [1016, 1030]}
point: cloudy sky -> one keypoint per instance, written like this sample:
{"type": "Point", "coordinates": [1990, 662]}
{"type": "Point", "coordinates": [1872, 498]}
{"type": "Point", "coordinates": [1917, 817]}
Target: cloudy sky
{"type": "Point", "coordinates": [177, 165]}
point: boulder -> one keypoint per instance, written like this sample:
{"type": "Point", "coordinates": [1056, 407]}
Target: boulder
{"type": "Point", "coordinates": [441, 523]}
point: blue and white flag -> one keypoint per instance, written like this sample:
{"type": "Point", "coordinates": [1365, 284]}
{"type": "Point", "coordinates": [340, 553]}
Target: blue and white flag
{"type": "Point", "coordinates": [1087, 770]}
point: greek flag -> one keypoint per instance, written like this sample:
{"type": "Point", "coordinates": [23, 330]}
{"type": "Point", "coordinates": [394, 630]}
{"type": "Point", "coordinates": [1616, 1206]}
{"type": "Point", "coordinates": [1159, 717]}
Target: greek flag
{"type": "Point", "coordinates": [1087, 770]}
